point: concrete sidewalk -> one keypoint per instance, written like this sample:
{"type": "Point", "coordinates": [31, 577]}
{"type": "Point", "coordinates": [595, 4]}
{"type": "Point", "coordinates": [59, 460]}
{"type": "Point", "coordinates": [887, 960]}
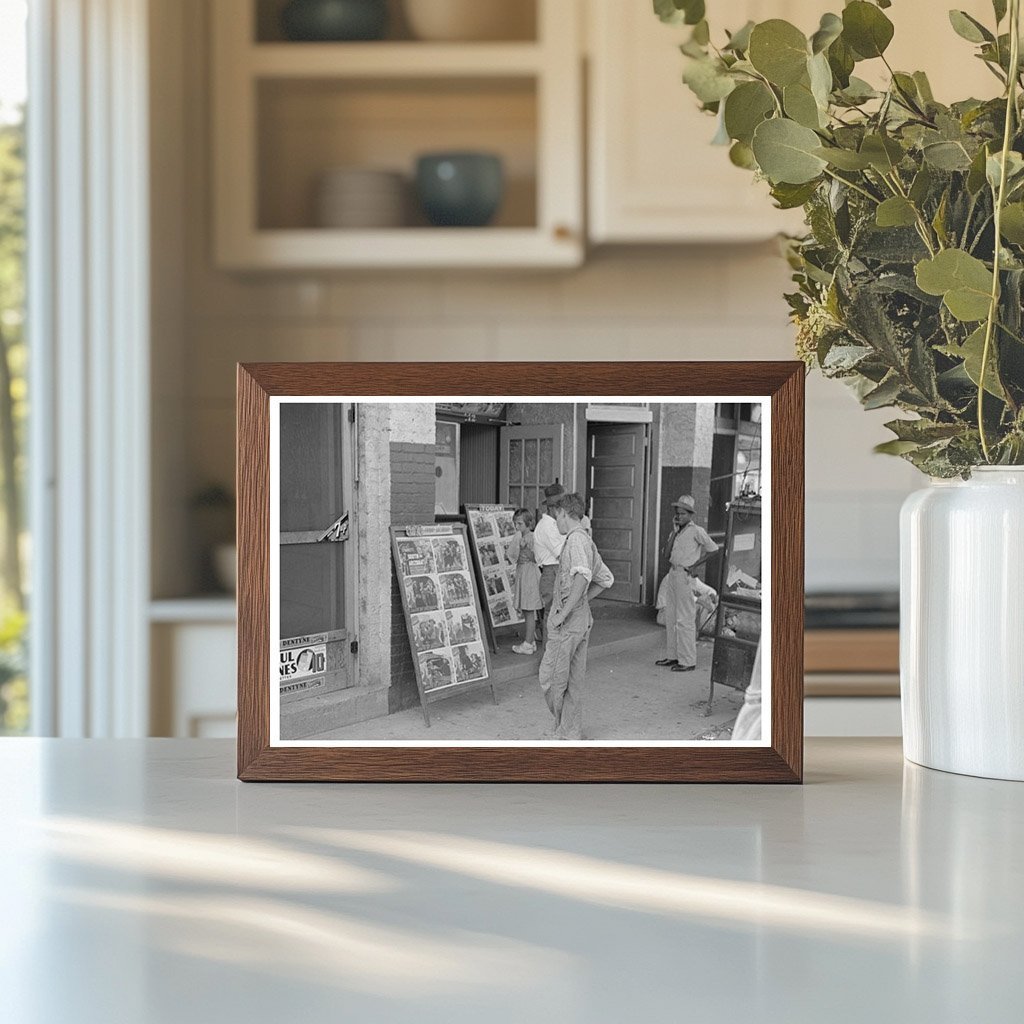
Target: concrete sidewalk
{"type": "Point", "coordinates": [627, 698]}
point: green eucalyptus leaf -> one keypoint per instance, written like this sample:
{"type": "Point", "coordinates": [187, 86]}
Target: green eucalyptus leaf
{"type": "Point", "coordinates": [800, 105]}
{"type": "Point", "coordinates": [789, 197]}
{"type": "Point", "coordinates": [971, 352]}
{"type": "Point", "coordinates": [923, 431]}
{"type": "Point", "coordinates": [884, 395]}
{"type": "Point", "coordinates": [994, 169]}
{"type": "Point", "coordinates": [721, 136]}
{"type": "Point", "coordinates": [841, 60]}
{"type": "Point", "coordinates": [741, 155]}
{"type": "Point", "coordinates": [785, 152]}
{"type": "Point", "coordinates": [883, 153]}
{"type": "Point", "coordinates": [820, 76]}
{"type": "Point", "coordinates": [947, 156]}
{"type": "Point", "coordinates": [896, 212]}
{"type": "Point", "coordinates": [976, 174]}
{"type": "Point", "coordinates": [858, 91]}
{"type": "Point", "coordinates": [866, 29]}
{"type": "Point", "coordinates": [999, 7]}
{"type": "Point", "coordinates": [844, 159]}
{"type": "Point", "coordinates": [779, 51]}
{"type": "Point", "coordinates": [739, 41]}
{"type": "Point", "coordinates": [963, 281]}
{"type": "Point", "coordinates": [1012, 223]}
{"type": "Point", "coordinates": [939, 220]}
{"type": "Point", "coordinates": [921, 185]}
{"type": "Point", "coordinates": [695, 11]}
{"type": "Point", "coordinates": [830, 29]}
{"type": "Point", "coordinates": [676, 12]}
{"type": "Point", "coordinates": [707, 80]}
{"type": "Point", "coordinates": [701, 32]}
{"type": "Point", "coordinates": [668, 12]}
{"type": "Point", "coordinates": [924, 87]}
{"type": "Point", "coordinates": [745, 108]}
{"type": "Point", "coordinates": [969, 28]}
{"type": "Point", "coordinates": [895, 447]}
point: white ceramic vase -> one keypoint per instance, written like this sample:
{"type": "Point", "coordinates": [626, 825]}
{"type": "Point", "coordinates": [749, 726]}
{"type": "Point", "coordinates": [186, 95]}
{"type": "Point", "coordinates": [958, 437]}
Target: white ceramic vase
{"type": "Point", "coordinates": [962, 624]}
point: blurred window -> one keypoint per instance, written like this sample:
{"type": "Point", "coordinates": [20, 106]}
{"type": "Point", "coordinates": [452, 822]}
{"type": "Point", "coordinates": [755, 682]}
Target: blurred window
{"type": "Point", "coordinates": [14, 546]}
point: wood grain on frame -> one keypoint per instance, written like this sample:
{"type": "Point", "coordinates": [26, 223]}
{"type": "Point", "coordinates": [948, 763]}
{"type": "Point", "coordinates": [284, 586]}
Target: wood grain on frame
{"type": "Point", "coordinates": [781, 762]}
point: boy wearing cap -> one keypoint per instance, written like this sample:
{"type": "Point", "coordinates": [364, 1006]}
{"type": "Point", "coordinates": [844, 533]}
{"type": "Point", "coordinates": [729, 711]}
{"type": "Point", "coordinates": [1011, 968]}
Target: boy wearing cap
{"type": "Point", "coordinates": [581, 575]}
{"type": "Point", "coordinates": [548, 542]}
{"type": "Point", "coordinates": [689, 548]}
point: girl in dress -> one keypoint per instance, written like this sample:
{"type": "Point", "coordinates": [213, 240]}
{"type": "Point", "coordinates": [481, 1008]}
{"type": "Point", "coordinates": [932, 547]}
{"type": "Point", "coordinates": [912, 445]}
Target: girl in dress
{"type": "Point", "coordinates": [526, 595]}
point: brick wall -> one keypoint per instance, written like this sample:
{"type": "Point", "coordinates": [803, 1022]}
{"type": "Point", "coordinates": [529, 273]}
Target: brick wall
{"type": "Point", "coordinates": [412, 502]}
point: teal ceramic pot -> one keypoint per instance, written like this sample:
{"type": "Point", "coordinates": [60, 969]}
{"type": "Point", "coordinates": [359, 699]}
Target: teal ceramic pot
{"type": "Point", "coordinates": [461, 190]}
{"type": "Point", "coordinates": [332, 21]}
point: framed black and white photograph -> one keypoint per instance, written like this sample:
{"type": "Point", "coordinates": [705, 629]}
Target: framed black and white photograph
{"type": "Point", "coordinates": [591, 589]}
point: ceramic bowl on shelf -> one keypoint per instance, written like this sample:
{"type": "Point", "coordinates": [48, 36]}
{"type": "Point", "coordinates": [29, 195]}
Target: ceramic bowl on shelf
{"type": "Point", "coordinates": [460, 189]}
{"type": "Point", "coordinates": [471, 20]}
{"type": "Point", "coordinates": [361, 198]}
{"type": "Point", "coordinates": [332, 21]}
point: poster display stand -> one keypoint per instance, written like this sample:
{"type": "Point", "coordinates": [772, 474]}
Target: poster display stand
{"type": "Point", "coordinates": [442, 611]}
{"type": "Point", "coordinates": [490, 533]}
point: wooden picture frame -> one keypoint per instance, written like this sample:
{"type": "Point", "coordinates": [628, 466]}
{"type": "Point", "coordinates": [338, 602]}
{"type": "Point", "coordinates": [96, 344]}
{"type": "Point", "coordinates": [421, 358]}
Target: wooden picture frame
{"type": "Point", "coordinates": [778, 386]}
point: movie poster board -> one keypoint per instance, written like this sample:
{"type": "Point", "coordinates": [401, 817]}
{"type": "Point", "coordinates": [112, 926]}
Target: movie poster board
{"type": "Point", "coordinates": [442, 611]}
{"type": "Point", "coordinates": [490, 533]}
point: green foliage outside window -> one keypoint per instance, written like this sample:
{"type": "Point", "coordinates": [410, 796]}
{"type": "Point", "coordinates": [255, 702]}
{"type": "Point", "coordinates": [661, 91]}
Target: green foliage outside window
{"type": "Point", "coordinates": [13, 414]}
{"type": "Point", "coordinates": [910, 278]}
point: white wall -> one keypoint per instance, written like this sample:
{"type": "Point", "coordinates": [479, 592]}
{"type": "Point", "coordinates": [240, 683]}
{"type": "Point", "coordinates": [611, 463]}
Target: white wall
{"type": "Point", "coordinates": [655, 303]}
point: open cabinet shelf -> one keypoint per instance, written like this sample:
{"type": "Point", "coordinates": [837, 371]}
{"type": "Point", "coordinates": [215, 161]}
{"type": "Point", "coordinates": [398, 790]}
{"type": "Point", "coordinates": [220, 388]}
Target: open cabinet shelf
{"type": "Point", "coordinates": [287, 114]}
{"type": "Point", "coordinates": [394, 60]}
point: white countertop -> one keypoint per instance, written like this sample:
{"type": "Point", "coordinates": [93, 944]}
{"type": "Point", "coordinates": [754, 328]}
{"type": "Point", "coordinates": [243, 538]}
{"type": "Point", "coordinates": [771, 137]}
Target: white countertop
{"type": "Point", "coordinates": [142, 884]}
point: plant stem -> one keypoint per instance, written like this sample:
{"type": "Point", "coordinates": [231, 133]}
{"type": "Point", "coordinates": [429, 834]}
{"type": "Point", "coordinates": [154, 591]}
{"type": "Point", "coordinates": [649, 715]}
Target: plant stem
{"type": "Point", "coordinates": [922, 225]}
{"type": "Point", "coordinates": [855, 187]}
{"type": "Point", "coordinates": [993, 309]}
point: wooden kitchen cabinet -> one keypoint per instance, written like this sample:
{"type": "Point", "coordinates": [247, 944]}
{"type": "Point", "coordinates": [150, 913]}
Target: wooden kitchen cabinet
{"type": "Point", "coordinates": [653, 175]}
{"type": "Point", "coordinates": [287, 113]}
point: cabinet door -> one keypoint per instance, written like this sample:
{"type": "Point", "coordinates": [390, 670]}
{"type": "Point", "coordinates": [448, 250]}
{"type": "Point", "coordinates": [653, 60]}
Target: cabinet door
{"type": "Point", "coordinates": [655, 177]}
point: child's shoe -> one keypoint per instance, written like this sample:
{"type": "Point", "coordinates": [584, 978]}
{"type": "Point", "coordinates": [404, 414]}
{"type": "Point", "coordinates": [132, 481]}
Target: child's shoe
{"type": "Point", "coordinates": [525, 648]}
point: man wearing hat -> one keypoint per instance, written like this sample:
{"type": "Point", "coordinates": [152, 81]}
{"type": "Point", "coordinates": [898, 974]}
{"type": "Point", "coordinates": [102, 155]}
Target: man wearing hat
{"type": "Point", "coordinates": [688, 549]}
{"type": "Point", "coordinates": [547, 543]}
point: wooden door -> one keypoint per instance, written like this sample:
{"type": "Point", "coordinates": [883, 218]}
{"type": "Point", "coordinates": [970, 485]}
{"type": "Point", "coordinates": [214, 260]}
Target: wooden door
{"type": "Point", "coordinates": [315, 573]}
{"type": "Point", "coordinates": [616, 472]}
{"type": "Point", "coordinates": [531, 459]}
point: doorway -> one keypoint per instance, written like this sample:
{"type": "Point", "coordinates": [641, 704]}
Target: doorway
{"type": "Point", "coordinates": [617, 471]}
{"type": "Point", "coordinates": [317, 552]}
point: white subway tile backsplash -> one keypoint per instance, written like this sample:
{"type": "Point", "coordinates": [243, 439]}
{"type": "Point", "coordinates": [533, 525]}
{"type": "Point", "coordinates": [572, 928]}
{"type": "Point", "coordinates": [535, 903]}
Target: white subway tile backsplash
{"type": "Point", "coordinates": [413, 296]}
{"type": "Point", "coordinates": [248, 298]}
{"type": "Point", "coordinates": [402, 341]}
{"type": "Point", "coordinates": [705, 303]}
{"type": "Point", "coordinates": [509, 297]}
{"type": "Point", "coordinates": [645, 285]}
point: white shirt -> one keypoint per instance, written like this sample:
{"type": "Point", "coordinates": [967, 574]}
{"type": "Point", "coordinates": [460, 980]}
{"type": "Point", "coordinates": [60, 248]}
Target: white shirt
{"type": "Point", "coordinates": [690, 543]}
{"type": "Point", "coordinates": [547, 541]}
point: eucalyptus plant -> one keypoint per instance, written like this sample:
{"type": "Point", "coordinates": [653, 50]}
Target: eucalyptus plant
{"type": "Point", "coordinates": [910, 278]}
